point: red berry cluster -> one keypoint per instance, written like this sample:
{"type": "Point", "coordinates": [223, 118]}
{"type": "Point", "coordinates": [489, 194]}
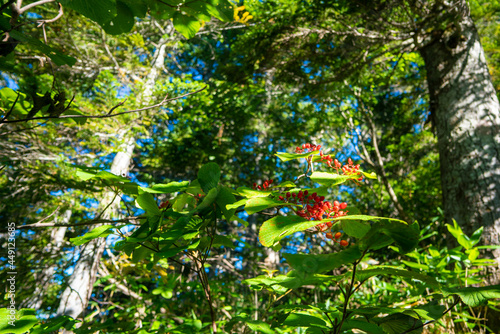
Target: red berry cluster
{"type": "Point", "coordinates": [326, 158]}
{"type": "Point", "coordinates": [349, 169]}
{"type": "Point", "coordinates": [264, 186]}
{"type": "Point", "coordinates": [315, 207]}
{"type": "Point", "coordinates": [306, 148]}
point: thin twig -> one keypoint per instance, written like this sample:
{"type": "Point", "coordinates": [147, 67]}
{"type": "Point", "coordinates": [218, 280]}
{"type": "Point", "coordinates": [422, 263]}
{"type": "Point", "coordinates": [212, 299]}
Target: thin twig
{"type": "Point", "coordinates": [165, 100]}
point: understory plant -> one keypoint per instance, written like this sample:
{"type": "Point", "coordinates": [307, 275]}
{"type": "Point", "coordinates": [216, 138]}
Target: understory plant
{"type": "Point", "coordinates": [180, 225]}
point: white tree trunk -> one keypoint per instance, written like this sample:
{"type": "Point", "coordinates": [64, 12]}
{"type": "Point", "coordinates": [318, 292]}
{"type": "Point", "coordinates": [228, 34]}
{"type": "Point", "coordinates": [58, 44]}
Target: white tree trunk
{"type": "Point", "coordinates": [75, 297]}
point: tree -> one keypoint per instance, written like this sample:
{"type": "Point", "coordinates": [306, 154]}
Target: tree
{"type": "Point", "coordinates": [335, 38]}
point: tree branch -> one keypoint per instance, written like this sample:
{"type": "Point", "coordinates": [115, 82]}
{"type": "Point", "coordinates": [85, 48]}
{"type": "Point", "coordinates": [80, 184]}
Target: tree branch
{"type": "Point", "coordinates": [165, 100]}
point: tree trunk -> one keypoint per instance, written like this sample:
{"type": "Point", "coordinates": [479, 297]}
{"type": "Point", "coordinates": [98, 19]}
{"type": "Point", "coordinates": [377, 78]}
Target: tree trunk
{"type": "Point", "coordinates": [75, 297]}
{"type": "Point", "coordinates": [466, 115]}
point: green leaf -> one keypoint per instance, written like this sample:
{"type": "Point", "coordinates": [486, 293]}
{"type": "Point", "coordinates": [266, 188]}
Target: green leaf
{"type": "Point", "coordinates": [254, 205]}
{"type": "Point", "coordinates": [400, 323]}
{"type": "Point", "coordinates": [208, 199]}
{"type": "Point", "coordinates": [123, 22]}
{"type": "Point", "coordinates": [168, 188]}
{"type": "Point", "coordinates": [237, 204]}
{"type": "Point", "coordinates": [209, 176]}
{"type": "Point", "coordinates": [457, 232]}
{"type": "Point", "coordinates": [476, 236]}
{"type": "Point", "coordinates": [99, 231]}
{"type": "Point", "coordinates": [316, 264]}
{"type": "Point", "coordinates": [305, 320]}
{"type": "Point", "coordinates": [101, 11]}
{"type": "Point", "coordinates": [331, 179]}
{"type": "Point", "coordinates": [225, 198]}
{"type": "Point", "coordinates": [474, 296]}
{"type": "Point", "coordinates": [384, 233]}
{"type": "Point", "coordinates": [355, 228]}
{"type": "Point", "coordinates": [148, 203]}
{"type": "Point", "coordinates": [260, 326]}
{"type": "Point", "coordinates": [23, 320]}
{"type": "Point", "coordinates": [363, 325]}
{"type": "Point", "coordinates": [276, 228]}
{"type": "Point", "coordinates": [250, 193]}
{"type": "Point", "coordinates": [222, 240]}
{"type": "Point", "coordinates": [291, 156]}
{"type": "Point", "coordinates": [286, 184]}
{"type": "Point", "coordinates": [188, 26]}
{"type": "Point", "coordinates": [371, 175]}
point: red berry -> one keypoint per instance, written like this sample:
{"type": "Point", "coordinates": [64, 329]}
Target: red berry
{"type": "Point", "coordinates": [329, 235]}
{"type": "Point", "coordinates": [288, 195]}
{"type": "Point", "coordinates": [343, 205]}
{"type": "Point", "coordinates": [338, 235]}
{"type": "Point", "coordinates": [344, 243]}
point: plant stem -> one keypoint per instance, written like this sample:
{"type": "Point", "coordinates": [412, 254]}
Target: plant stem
{"type": "Point", "coordinates": [348, 293]}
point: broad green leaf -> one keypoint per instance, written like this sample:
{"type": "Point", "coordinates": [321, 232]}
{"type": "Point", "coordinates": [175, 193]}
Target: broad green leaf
{"type": "Point", "coordinates": [286, 184]}
{"type": "Point", "coordinates": [474, 296]}
{"type": "Point", "coordinates": [291, 156]}
{"type": "Point", "coordinates": [299, 319]}
{"type": "Point", "coordinates": [209, 176]}
{"type": "Point", "coordinates": [222, 240]}
{"type": "Point", "coordinates": [83, 175]}
{"type": "Point", "coordinates": [123, 22]}
{"type": "Point", "coordinates": [363, 325]}
{"type": "Point", "coordinates": [384, 233]}
{"type": "Point", "coordinates": [140, 253]}
{"type": "Point", "coordinates": [400, 323]}
{"type": "Point", "coordinates": [188, 26]}
{"type": "Point", "coordinates": [101, 11]}
{"type": "Point", "coordinates": [331, 179]}
{"type": "Point", "coordinates": [355, 228]}
{"type": "Point", "coordinates": [24, 320]}
{"type": "Point", "coordinates": [371, 175]}
{"type": "Point", "coordinates": [148, 203]}
{"type": "Point", "coordinates": [237, 204]}
{"type": "Point", "coordinates": [276, 228]}
{"type": "Point", "coordinates": [316, 264]}
{"type": "Point", "coordinates": [225, 198]}
{"type": "Point", "coordinates": [168, 188]}
{"type": "Point", "coordinates": [260, 326]}
{"type": "Point", "coordinates": [250, 193]}
{"type": "Point", "coordinates": [257, 204]}
{"type": "Point", "coordinates": [99, 231]}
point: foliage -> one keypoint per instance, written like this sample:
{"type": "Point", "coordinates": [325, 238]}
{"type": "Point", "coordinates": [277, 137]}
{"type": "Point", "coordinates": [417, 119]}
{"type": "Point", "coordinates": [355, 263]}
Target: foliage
{"type": "Point", "coordinates": [193, 247]}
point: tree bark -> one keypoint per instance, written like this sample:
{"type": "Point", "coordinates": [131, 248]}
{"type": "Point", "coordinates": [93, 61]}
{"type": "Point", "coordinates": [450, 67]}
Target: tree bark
{"type": "Point", "coordinates": [466, 115]}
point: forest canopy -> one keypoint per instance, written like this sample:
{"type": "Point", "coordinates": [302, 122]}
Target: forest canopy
{"type": "Point", "coordinates": [278, 166]}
